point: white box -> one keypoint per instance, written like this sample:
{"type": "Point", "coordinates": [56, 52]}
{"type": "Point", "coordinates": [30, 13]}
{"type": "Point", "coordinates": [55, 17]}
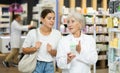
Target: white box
{"type": "Point", "coordinates": [5, 43]}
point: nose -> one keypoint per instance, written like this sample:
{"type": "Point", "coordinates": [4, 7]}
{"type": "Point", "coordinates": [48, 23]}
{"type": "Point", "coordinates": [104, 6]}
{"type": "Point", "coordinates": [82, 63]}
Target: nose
{"type": "Point", "coordinates": [69, 24]}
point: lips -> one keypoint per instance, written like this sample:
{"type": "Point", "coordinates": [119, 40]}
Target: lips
{"type": "Point", "coordinates": [70, 28]}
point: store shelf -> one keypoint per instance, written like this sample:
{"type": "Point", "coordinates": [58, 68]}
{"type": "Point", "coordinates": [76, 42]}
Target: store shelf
{"type": "Point", "coordinates": [4, 20]}
{"type": "Point", "coordinates": [101, 25]}
{"type": "Point", "coordinates": [97, 33]}
{"type": "Point", "coordinates": [4, 25]}
{"type": "Point", "coordinates": [101, 33]}
{"type": "Point", "coordinates": [102, 42]}
{"type": "Point", "coordinates": [114, 30]}
{"type": "Point", "coordinates": [114, 51]}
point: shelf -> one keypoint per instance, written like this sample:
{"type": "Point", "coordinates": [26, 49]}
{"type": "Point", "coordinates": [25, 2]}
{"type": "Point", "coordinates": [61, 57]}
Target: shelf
{"type": "Point", "coordinates": [101, 33]}
{"type": "Point", "coordinates": [101, 15]}
{"type": "Point", "coordinates": [4, 16]}
{"type": "Point", "coordinates": [89, 33]}
{"type": "Point", "coordinates": [102, 42]}
{"type": "Point", "coordinates": [101, 24]}
{"type": "Point", "coordinates": [4, 22]}
{"type": "Point", "coordinates": [35, 12]}
{"type": "Point", "coordinates": [97, 33]}
{"type": "Point", "coordinates": [89, 24]}
{"type": "Point", "coordinates": [4, 25]}
{"type": "Point", "coordinates": [114, 30]}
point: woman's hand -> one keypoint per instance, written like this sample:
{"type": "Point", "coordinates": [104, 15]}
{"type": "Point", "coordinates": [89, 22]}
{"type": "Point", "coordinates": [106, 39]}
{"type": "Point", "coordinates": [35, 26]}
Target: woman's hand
{"type": "Point", "coordinates": [78, 47]}
{"type": "Point", "coordinates": [49, 48]}
{"type": "Point", "coordinates": [37, 45]}
{"type": "Point", "coordinates": [70, 57]}
{"type": "Point", "coordinates": [51, 51]}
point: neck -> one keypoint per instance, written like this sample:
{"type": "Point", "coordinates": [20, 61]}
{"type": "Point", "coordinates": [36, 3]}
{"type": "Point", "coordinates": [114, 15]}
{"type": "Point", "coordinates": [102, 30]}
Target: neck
{"type": "Point", "coordinates": [77, 34]}
{"type": "Point", "coordinates": [44, 30]}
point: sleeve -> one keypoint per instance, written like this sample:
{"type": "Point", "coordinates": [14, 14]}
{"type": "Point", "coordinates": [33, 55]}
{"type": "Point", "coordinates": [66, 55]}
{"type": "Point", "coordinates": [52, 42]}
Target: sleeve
{"type": "Point", "coordinates": [59, 36]}
{"type": "Point", "coordinates": [90, 56]}
{"type": "Point", "coordinates": [28, 40]}
{"type": "Point", "coordinates": [21, 27]}
{"type": "Point", "coordinates": [62, 56]}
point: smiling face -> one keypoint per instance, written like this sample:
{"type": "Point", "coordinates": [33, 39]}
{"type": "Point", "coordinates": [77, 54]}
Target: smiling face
{"type": "Point", "coordinates": [48, 20]}
{"type": "Point", "coordinates": [74, 25]}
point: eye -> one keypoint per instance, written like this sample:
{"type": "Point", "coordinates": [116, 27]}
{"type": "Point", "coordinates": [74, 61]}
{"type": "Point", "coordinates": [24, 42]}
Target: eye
{"type": "Point", "coordinates": [68, 21]}
{"type": "Point", "coordinates": [72, 21]}
{"type": "Point", "coordinates": [49, 18]}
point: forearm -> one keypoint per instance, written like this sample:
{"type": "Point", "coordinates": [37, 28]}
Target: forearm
{"type": "Point", "coordinates": [88, 59]}
{"type": "Point", "coordinates": [29, 50]}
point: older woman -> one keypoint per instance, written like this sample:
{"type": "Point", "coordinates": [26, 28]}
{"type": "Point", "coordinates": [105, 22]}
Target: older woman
{"type": "Point", "coordinates": [77, 51]}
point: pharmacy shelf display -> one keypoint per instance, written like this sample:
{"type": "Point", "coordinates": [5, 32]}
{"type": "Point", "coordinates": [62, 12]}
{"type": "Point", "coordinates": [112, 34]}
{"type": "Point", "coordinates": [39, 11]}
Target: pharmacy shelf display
{"type": "Point", "coordinates": [114, 51]}
{"type": "Point", "coordinates": [4, 20]}
{"type": "Point", "coordinates": [96, 24]}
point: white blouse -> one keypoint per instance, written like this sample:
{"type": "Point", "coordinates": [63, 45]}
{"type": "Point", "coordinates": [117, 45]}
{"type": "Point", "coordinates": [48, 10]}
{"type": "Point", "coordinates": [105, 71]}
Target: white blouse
{"type": "Point", "coordinates": [83, 61]}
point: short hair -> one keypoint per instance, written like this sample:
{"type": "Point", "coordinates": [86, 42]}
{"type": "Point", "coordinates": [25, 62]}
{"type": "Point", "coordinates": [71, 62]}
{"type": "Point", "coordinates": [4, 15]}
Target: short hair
{"type": "Point", "coordinates": [16, 16]}
{"type": "Point", "coordinates": [79, 17]}
{"type": "Point", "coordinates": [45, 12]}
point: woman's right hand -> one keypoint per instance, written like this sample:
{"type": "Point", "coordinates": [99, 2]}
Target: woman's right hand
{"type": "Point", "coordinates": [70, 57]}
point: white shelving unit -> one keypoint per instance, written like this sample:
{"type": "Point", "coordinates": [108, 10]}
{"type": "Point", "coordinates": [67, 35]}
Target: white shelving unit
{"type": "Point", "coordinates": [97, 25]}
{"type": "Point", "coordinates": [4, 20]}
{"type": "Point", "coordinates": [114, 51]}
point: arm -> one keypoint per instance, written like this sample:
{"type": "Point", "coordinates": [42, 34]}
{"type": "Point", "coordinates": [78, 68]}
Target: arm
{"type": "Point", "coordinates": [29, 50]}
{"type": "Point", "coordinates": [62, 56]}
{"type": "Point", "coordinates": [28, 46]}
{"type": "Point", "coordinates": [90, 56]}
{"type": "Point", "coordinates": [53, 52]}
{"type": "Point", "coordinates": [22, 27]}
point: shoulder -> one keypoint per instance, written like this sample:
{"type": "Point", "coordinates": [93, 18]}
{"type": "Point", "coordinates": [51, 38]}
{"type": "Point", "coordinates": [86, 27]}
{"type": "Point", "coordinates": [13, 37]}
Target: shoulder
{"type": "Point", "coordinates": [13, 22]}
{"type": "Point", "coordinates": [32, 32]}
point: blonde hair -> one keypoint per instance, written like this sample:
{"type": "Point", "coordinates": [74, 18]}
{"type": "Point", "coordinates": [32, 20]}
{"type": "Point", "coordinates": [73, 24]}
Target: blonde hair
{"type": "Point", "coordinates": [79, 17]}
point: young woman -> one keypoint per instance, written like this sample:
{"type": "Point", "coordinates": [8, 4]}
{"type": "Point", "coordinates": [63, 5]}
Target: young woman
{"type": "Point", "coordinates": [46, 43]}
{"type": "Point", "coordinates": [77, 51]}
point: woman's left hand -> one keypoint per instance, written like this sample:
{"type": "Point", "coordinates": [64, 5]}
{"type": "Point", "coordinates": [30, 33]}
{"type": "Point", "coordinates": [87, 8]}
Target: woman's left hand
{"type": "Point", "coordinates": [51, 51]}
{"type": "Point", "coordinates": [78, 47]}
{"type": "Point", "coordinates": [49, 48]}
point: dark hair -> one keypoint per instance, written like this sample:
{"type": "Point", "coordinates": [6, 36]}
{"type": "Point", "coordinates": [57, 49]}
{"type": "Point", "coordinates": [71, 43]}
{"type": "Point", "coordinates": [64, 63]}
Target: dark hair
{"type": "Point", "coordinates": [45, 12]}
{"type": "Point", "coordinates": [16, 16]}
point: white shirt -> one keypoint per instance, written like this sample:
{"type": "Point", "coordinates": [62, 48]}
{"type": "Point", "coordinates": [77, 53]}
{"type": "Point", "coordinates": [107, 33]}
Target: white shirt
{"type": "Point", "coordinates": [52, 39]}
{"type": "Point", "coordinates": [82, 62]}
{"type": "Point", "coordinates": [16, 29]}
